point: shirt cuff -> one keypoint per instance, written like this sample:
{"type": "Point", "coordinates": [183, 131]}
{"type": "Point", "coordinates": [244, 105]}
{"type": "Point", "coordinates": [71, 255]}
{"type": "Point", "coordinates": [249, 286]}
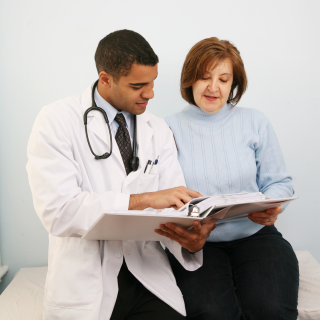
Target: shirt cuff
{"type": "Point", "coordinates": [190, 261]}
{"type": "Point", "coordinates": [121, 201]}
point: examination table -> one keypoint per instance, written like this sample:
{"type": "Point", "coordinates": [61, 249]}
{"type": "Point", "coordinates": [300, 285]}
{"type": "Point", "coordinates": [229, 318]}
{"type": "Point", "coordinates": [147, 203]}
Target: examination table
{"type": "Point", "coordinates": [23, 298]}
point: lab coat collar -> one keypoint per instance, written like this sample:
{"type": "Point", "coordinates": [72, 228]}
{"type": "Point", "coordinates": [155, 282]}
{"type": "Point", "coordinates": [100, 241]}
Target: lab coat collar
{"type": "Point", "coordinates": [97, 125]}
{"type": "Point", "coordinates": [110, 110]}
{"type": "Point", "coordinates": [106, 106]}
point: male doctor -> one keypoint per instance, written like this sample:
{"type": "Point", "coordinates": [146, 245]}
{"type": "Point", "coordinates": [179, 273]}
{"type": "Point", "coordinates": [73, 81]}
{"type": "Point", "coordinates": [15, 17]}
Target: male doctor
{"type": "Point", "coordinates": [94, 280]}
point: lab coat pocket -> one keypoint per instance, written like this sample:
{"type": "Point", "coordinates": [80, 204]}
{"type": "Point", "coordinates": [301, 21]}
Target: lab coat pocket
{"type": "Point", "coordinates": [74, 274]}
{"type": "Point", "coordinates": [149, 182]}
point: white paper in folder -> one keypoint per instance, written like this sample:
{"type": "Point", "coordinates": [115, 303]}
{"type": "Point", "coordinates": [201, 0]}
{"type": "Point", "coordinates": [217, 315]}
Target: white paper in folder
{"type": "Point", "coordinates": [140, 225]}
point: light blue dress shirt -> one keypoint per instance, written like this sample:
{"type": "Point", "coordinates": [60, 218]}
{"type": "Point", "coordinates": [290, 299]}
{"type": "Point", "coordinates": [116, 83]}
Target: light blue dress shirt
{"type": "Point", "coordinates": [111, 114]}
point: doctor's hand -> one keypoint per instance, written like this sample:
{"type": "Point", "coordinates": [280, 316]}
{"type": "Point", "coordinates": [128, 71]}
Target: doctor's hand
{"type": "Point", "coordinates": [169, 198]}
{"type": "Point", "coordinates": [193, 239]}
{"type": "Point", "coordinates": [267, 217]}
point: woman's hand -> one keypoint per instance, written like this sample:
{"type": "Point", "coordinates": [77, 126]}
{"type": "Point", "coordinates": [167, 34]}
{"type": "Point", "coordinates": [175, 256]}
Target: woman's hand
{"type": "Point", "coordinates": [193, 240]}
{"type": "Point", "coordinates": [267, 217]}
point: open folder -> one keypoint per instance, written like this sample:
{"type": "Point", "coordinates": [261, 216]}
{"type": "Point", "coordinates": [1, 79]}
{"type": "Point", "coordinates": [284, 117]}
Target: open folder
{"type": "Point", "coordinates": [140, 225]}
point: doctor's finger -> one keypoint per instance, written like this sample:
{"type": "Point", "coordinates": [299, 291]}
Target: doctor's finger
{"type": "Point", "coordinates": [169, 231]}
{"type": "Point", "coordinates": [183, 197]}
{"type": "Point", "coordinates": [178, 202]}
{"type": "Point", "coordinates": [193, 193]}
{"type": "Point", "coordinates": [197, 227]}
{"type": "Point", "coordinates": [206, 229]}
{"type": "Point", "coordinates": [177, 231]}
{"type": "Point", "coordinates": [173, 235]}
{"type": "Point", "coordinates": [202, 229]}
{"type": "Point", "coordinates": [210, 226]}
{"type": "Point", "coordinates": [169, 236]}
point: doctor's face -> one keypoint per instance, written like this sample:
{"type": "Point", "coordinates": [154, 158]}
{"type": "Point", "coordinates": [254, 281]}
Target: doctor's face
{"type": "Point", "coordinates": [132, 92]}
{"type": "Point", "coordinates": [211, 92]}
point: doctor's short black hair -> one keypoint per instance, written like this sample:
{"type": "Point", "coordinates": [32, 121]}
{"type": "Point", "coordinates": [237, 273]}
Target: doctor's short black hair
{"type": "Point", "coordinates": [117, 52]}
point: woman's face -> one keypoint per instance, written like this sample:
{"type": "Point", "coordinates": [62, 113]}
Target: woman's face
{"type": "Point", "coordinates": [211, 92]}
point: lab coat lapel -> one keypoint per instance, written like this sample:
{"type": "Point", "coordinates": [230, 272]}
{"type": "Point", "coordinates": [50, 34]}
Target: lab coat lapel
{"type": "Point", "coordinates": [144, 136]}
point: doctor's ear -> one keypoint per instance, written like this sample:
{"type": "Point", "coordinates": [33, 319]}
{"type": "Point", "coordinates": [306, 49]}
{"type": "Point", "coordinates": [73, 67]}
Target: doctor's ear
{"type": "Point", "coordinates": [105, 79]}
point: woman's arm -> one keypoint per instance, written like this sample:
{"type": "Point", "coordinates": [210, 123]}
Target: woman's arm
{"type": "Point", "coordinates": [267, 217]}
{"type": "Point", "coordinates": [273, 179]}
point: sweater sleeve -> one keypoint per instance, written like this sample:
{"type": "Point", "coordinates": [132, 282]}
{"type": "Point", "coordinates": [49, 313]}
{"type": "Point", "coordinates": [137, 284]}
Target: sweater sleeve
{"type": "Point", "coordinates": [273, 179]}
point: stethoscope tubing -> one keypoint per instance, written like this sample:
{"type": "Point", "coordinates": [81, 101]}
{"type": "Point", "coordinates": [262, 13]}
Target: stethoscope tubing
{"type": "Point", "coordinates": [107, 154]}
{"type": "Point", "coordinates": [135, 159]}
{"type": "Point", "coordinates": [85, 120]}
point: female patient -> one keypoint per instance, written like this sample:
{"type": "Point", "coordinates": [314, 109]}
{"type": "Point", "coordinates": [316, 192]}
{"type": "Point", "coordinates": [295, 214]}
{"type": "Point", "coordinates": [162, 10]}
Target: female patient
{"type": "Point", "coordinates": [249, 270]}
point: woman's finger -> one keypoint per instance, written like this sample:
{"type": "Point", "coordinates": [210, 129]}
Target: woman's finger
{"type": "Point", "coordinates": [264, 221]}
{"type": "Point", "coordinates": [263, 214]}
{"type": "Point", "coordinates": [275, 210]}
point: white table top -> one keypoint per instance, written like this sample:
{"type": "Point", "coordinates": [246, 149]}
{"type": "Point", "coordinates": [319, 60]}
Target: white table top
{"type": "Point", "coordinates": [23, 298]}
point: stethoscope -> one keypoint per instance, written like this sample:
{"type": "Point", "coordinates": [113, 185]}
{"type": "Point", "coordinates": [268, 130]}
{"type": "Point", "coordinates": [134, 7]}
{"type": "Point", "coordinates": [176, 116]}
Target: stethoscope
{"type": "Point", "coordinates": [135, 160]}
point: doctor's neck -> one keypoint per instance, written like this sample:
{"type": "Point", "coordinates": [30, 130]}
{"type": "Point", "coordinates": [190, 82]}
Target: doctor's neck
{"type": "Point", "coordinates": [107, 95]}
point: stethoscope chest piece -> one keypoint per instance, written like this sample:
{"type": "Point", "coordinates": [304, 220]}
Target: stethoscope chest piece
{"type": "Point", "coordinates": [134, 163]}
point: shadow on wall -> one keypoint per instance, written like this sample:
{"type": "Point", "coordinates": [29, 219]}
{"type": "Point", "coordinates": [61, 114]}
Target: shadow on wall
{"type": "Point", "coordinates": [3, 270]}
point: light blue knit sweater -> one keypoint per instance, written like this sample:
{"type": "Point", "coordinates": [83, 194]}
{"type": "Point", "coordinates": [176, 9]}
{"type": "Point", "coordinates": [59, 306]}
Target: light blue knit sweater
{"type": "Point", "coordinates": [234, 150]}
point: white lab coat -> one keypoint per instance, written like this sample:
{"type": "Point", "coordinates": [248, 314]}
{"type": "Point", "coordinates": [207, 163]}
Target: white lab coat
{"type": "Point", "coordinates": [71, 190]}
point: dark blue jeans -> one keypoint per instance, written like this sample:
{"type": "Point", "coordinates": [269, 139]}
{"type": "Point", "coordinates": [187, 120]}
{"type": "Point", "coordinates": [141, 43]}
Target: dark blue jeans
{"type": "Point", "coordinates": [255, 278]}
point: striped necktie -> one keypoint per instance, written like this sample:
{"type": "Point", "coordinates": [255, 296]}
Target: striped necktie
{"type": "Point", "coordinates": [123, 141]}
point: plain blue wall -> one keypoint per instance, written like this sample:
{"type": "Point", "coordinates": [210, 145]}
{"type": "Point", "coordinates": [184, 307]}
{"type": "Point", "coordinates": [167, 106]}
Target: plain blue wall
{"type": "Point", "coordinates": [46, 53]}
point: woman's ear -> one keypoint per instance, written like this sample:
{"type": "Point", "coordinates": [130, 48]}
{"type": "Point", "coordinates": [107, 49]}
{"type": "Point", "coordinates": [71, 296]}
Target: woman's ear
{"type": "Point", "coordinates": [233, 87]}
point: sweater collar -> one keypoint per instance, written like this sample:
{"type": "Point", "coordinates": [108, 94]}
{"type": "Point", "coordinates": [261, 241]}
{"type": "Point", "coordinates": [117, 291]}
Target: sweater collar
{"type": "Point", "coordinates": [195, 114]}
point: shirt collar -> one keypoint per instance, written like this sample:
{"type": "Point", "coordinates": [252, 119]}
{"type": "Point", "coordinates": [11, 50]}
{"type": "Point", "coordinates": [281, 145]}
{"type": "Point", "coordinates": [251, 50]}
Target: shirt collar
{"type": "Point", "coordinates": [109, 109]}
{"type": "Point", "coordinates": [195, 114]}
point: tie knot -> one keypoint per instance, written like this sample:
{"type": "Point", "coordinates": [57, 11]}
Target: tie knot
{"type": "Point", "coordinates": [120, 120]}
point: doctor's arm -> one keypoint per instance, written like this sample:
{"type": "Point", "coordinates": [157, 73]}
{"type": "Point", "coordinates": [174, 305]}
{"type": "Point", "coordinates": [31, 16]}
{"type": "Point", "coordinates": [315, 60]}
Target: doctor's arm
{"type": "Point", "coordinates": [174, 197]}
{"type": "Point", "coordinates": [55, 179]}
{"type": "Point", "coordinates": [192, 240]}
